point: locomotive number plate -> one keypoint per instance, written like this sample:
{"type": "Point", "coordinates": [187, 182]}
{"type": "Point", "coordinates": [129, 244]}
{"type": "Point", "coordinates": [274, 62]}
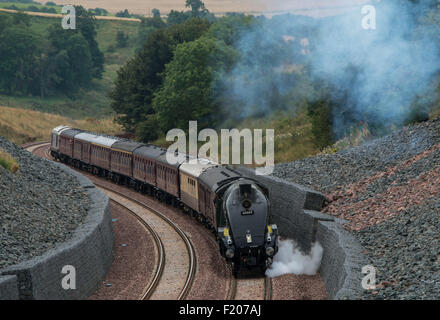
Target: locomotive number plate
{"type": "Point", "coordinates": [247, 212]}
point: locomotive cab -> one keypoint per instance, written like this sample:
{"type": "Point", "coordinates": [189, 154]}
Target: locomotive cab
{"type": "Point", "coordinates": [247, 240]}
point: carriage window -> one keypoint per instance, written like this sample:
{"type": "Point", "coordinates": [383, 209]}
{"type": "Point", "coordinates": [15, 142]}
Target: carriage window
{"type": "Point", "coordinates": [191, 186]}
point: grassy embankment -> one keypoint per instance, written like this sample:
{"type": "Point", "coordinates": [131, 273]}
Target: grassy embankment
{"type": "Point", "coordinates": [22, 125]}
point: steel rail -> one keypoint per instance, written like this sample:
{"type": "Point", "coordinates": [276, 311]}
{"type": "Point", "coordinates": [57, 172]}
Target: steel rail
{"type": "Point", "coordinates": [190, 247]}
{"type": "Point", "coordinates": [267, 288]}
{"type": "Point", "coordinates": [160, 250]}
{"type": "Point", "coordinates": [191, 251]}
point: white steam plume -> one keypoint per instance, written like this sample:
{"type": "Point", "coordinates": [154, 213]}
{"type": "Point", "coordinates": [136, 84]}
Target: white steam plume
{"type": "Point", "coordinates": [290, 259]}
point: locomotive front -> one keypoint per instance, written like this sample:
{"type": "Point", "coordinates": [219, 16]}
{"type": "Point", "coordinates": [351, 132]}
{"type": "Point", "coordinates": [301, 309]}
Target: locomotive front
{"type": "Point", "coordinates": [247, 240]}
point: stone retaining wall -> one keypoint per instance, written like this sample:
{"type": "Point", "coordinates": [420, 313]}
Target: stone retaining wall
{"type": "Point", "coordinates": [295, 209]}
{"type": "Point", "coordinates": [8, 288]}
{"type": "Point", "coordinates": [89, 251]}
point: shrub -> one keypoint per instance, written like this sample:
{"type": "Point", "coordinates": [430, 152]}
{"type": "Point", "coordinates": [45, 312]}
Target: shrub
{"type": "Point", "coordinates": [7, 162]}
{"type": "Point", "coordinates": [121, 39]}
{"type": "Point", "coordinates": [321, 117]}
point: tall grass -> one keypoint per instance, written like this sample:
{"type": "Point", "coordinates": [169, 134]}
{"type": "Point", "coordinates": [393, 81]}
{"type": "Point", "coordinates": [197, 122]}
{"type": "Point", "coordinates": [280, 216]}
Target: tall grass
{"type": "Point", "coordinates": [22, 125]}
{"type": "Point", "coordinates": [8, 162]}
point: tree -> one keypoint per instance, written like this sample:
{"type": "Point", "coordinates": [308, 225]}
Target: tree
{"type": "Point", "coordinates": [141, 77]}
{"type": "Point", "coordinates": [123, 14]}
{"type": "Point", "coordinates": [72, 59]}
{"type": "Point", "coordinates": [156, 13]}
{"type": "Point", "coordinates": [320, 112]}
{"type": "Point", "coordinates": [231, 28]}
{"type": "Point", "coordinates": [177, 17]}
{"type": "Point", "coordinates": [189, 89]}
{"type": "Point", "coordinates": [86, 24]}
{"type": "Point", "coordinates": [5, 21]}
{"type": "Point", "coordinates": [197, 7]}
{"type": "Point", "coordinates": [18, 54]}
{"type": "Point", "coordinates": [148, 26]}
{"type": "Point", "coordinates": [121, 39]}
{"type": "Point", "coordinates": [148, 129]}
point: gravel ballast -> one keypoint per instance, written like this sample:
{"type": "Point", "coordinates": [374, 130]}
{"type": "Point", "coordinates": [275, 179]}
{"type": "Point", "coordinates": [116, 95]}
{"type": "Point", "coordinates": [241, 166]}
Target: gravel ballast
{"type": "Point", "coordinates": [388, 192]}
{"type": "Point", "coordinates": [41, 206]}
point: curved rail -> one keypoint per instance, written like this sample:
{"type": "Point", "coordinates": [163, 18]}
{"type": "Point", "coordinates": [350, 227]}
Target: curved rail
{"type": "Point", "coordinates": [191, 251]}
{"type": "Point", "coordinates": [159, 270]}
{"type": "Point", "coordinates": [160, 250]}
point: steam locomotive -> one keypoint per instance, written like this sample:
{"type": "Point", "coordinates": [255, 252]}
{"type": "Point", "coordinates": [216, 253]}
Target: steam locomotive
{"type": "Point", "coordinates": [234, 207]}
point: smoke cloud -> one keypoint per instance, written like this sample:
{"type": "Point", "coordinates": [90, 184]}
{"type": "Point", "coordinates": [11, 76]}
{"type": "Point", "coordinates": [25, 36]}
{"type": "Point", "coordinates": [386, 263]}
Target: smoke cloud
{"type": "Point", "coordinates": [290, 259]}
{"type": "Point", "coordinates": [379, 74]}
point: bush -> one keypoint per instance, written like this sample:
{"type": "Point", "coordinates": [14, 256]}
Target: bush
{"type": "Point", "coordinates": [7, 162]}
{"type": "Point", "coordinates": [416, 115]}
{"type": "Point", "coordinates": [321, 115]}
{"type": "Point", "coordinates": [111, 48]}
{"type": "Point", "coordinates": [121, 39]}
{"type": "Point", "coordinates": [123, 14]}
{"type": "Point", "coordinates": [148, 130]}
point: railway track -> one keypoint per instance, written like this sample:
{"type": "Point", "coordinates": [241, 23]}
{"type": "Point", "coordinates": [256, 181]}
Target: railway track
{"type": "Point", "coordinates": [175, 242]}
{"type": "Point", "coordinates": [160, 254]}
{"type": "Point", "coordinates": [167, 281]}
{"type": "Point", "coordinates": [165, 273]}
{"type": "Point", "coordinates": [31, 147]}
{"type": "Point", "coordinates": [250, 289]}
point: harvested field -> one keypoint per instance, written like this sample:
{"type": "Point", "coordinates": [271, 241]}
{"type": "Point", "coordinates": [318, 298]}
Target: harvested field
{"type": "Point", "coordinates": [311, 7]}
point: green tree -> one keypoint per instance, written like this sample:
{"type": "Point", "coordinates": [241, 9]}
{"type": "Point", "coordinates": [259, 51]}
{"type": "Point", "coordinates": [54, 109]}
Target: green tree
{"type": "Point", "coordinates": [189, 89]}
{"type": "Point", "coordinates": [138, 80]}
{"type": "Point", "coordinates": [177, 17]}
{"type": "Point", "coordinates": [5, 21]}
{"type": "Point", "coordinates": [156, 13]}
{"type": "Point", "coordinates": [197, 7]}
{"type": "Point", "coordinates": [148, 26]}
{"type": "Point", "coordinates": [86, 24]}
{"type": "Point", "coordinates": [320, 112]}
{"type": "Point", "coordinates": [18, 55]}
{"type": "Point", "coordinates": [72, 59]}
{"type": "Point", "coordinates": [22, 18]}
{"type": "Point", "coordinates": [123, 14]}
{"type": "Point", "coordinates": [231, 28]}
{"type": "Point", "coordinates": [121, 39]}
{"type": "Point", "coordinates": [148, 129]}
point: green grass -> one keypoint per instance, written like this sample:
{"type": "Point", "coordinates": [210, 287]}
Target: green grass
{"type": "Point", "coordinates": [107, 31]}
{"type": "Point", "coordinates": [7, 162]}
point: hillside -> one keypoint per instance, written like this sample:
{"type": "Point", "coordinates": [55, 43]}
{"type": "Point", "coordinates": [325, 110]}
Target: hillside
{"type": "Point", "coordinates": [93, 101]}
{"type": "Point", "coordinates": [22, 126]}
{"type": "Point", "coordinates": [387, 191]}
